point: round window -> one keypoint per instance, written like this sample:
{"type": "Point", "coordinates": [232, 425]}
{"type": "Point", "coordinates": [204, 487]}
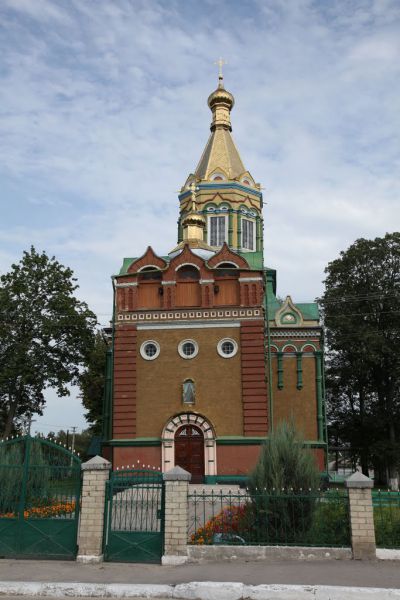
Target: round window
{"type": "Point", "coordinates": [150, 350]}
{"type": "Point", "coordinates": [188, 348]}
{"type": "Point", "coordinates": [227, 348]}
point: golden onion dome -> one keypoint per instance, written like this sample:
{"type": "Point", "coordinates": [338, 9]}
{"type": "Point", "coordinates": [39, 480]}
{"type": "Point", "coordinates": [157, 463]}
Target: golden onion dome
{"type": "Point", "coordinates": [221, 103]}
{"type": "Point", "coordinates": [221, 96]}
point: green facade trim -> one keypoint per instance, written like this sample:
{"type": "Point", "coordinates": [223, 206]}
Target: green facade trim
{"type": "Point", "coordinates": [280, 370]}
{"type": "Point", "coordinates": [135, 442]}
{"type": "Point", "coordinates": [239, 441]}
{"type": "Point", "coordinates": [230, 228]}
{"type": "Point", "coordinates": [107, 396]}
{"type": "Point", "coordinates": [299, 370]}
{"type": "Point", "coordinates": [223, 186]}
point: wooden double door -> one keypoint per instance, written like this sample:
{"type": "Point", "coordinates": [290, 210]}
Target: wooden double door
{"type": "Point", "coordinates": [189, 451]}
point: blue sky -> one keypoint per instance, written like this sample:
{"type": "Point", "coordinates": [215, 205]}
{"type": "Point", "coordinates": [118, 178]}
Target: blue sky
{"type": "Point", "coordinates": [103, 115]}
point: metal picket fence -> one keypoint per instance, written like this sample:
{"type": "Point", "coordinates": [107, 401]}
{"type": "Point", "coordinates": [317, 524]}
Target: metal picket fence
{"type": "Point", "coordinates": [284, 517]}
{"type": "Point", "coordinates": [386, 506]}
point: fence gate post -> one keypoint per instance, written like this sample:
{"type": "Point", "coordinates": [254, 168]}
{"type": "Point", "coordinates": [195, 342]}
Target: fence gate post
{"type": "Point", "coordinates": [361, 516]}
{"type": "Point", "coordinates": [90, 537]}
{"type": "Point", "coordinates": [176, 516]}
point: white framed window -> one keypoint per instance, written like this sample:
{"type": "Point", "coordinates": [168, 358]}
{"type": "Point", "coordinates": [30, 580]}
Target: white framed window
{"type": "Point", "coordinates": [188, 348]}
{"type": "Point", "coordinates": [248, 234]}
{"type": "Point", "coordinates": [150, 350]}
{"type": "Point", "coordinates": [217, 230]}
{"type": "Point", "coordinates": [227, 347]}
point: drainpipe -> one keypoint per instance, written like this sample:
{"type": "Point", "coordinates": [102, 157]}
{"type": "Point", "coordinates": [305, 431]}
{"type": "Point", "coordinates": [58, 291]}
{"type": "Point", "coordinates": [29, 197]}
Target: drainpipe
{"type": "Point", "coordinates": [110, 427]}
{"type": "Point", "coordinates": [318, 379]}
{"type": "Point", "coordinates": [324, 397]}
{"type": "Point", "coordinates": [267, 354]}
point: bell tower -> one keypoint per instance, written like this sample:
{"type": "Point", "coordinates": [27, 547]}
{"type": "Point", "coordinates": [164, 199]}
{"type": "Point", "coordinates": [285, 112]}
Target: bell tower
{"type": "Point", "coordinates": [220, 202]}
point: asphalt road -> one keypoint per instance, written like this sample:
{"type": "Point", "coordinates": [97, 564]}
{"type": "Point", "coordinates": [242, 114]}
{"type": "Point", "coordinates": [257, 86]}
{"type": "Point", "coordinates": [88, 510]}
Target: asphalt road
{"type": "Point", "coordinates": [383, 574]}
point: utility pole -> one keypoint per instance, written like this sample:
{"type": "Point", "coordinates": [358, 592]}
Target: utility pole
{"type": "Point", "coordinates": [29, 424]}
{"type": "Point", "coordinates": [74, 428]}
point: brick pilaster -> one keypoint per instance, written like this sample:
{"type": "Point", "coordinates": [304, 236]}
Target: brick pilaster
{"type": "Point", "coordinates": [124, 387]}
{"type": "Point", "coordinates": [91, 524]}
{"type": "Point", "coordinates": [361, 516]}
{"type": "Point", "coordinates": [254, 389]}
{"type": "Point", "coordinates": [176, 516]}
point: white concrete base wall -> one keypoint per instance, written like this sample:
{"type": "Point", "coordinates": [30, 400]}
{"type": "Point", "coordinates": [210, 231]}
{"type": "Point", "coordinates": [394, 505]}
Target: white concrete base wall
{"type": "Point", "coordinates": [203, 554]}
{"type": "Point", "coordinates": [90, 559]}
{"type": "Point", "coordinates": [387, 554]}
{"type": "Point", "coordinates": [172, 560]}
{"type": "Point", "coordinates": [197, 590]}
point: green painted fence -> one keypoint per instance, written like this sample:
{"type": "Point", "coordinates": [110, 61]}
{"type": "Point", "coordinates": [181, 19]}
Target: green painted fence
{"type": "Point", "coordinates": [386, 518]}
{"type": "Point", "coordinates": [134, 517]}
{"type": "Point", "coordinates": [40, 484]}
{"type": "Point", "coordinates": [284, 517]}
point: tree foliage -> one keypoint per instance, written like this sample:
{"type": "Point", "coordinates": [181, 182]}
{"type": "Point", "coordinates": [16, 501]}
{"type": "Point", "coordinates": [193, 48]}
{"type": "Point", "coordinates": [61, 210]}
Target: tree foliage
{"type": "Point", "coordinates": [46, 335]}
{"type": "Point", "coordinates": [361, 307]}
{"type": "Point", "coordinates": [284, 463]}
{"type": "Point", "coordinates": [92, 382]}
{"type": "Point", "coordinates": [279, 486]}
{"type": "Point", "coordinates": [81, 442]}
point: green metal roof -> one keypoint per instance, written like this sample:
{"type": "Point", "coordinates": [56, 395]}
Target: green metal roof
{"type": "Point", "coordinates": [309, 310]}
{"type": "Point", "coordinates": [254, 259]}
{"type": "Point", "coordinates": [125, 265]}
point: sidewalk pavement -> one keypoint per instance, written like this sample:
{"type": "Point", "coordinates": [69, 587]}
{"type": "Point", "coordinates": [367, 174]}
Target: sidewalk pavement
{"type": "Point", "coordinates": [260, 580]}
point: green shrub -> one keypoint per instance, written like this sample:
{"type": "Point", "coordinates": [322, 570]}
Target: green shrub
{"type": "Point", "coordinates": [11, 472]}
{"type": "Point", "coordinates": [12, 457]}
{"type": "Point", "coordinates": [330, 525]}
{"type": "Point", "coordinates": [387, 526]}
{"type": "Point", "coordinates": [279, 487]}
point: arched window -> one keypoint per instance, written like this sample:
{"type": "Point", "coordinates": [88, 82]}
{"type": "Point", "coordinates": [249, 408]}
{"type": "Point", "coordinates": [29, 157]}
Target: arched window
{"type": "Point", "coordinates": [188, 392]}
{"type": "Point", "coordinates": [188, 291]}
{"type": "Point", "coordinates": [226, 288]}
{"type": "Point", "coordinates": [149, 287]}
{"type": "Point", "coordinates": [188, 272]}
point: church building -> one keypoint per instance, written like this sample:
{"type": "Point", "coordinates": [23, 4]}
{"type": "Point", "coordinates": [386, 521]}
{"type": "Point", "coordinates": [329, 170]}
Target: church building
{"type": "Point", "coordinates": [206, 360]}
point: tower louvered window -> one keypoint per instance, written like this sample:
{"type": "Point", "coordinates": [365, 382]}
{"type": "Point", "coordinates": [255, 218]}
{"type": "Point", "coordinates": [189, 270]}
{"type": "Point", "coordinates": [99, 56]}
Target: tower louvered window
{"type": "Point", "coordinates": [217, 231]}
{"type": "Point", "coordinates": [248, 234]}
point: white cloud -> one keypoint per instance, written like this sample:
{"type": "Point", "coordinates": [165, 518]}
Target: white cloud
{"type": "Point", "coordinates": [104, 115]}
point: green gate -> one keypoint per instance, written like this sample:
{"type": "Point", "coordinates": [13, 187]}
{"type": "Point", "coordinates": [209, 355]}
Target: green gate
{"type": "Point", "coordinates": [40, 484]}
{"type": "Point", "coordinates": [134, 516]}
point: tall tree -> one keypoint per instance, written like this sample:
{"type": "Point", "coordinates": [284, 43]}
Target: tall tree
{"type": "Point", "coordinates": [92, 384]}
{"type": "Point", "coordinates": [361, 307]}
{"type": "Point", "coordinates": [46, 335]}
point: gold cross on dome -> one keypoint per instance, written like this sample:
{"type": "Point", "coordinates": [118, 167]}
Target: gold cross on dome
{"type": "Point", "coordinates": [220, 62]}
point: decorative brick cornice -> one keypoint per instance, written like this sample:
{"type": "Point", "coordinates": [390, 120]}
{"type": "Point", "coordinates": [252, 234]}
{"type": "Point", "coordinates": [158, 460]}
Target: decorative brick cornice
{"type": "Point", "coordinates": [190, 315]}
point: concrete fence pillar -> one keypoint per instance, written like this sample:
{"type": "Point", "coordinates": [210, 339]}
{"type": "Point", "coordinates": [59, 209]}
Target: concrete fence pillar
{"type": "Point", "coordinates": [176, 516]}
{"type": "Point", "coordinates": [90, 537]}
{"type": "Point", "coordinates": [361, 516]}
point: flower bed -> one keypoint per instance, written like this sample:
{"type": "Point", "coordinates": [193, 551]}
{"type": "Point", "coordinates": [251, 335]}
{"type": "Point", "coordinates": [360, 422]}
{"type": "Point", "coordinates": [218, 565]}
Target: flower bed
{"type": "Point", "coordinates": [230, 521]}
{"type": "Point", "coordinates": [56, 509]}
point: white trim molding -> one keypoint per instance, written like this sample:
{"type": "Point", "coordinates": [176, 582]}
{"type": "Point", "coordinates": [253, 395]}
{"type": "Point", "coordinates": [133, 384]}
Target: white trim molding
{"type": "Point", "coordinates": [195, 349]}
{"type": "Point", "coordinates": [168, 441]}
{"type": "Point", "coordinates": [143, 350]}
{"type": "Point", "coordinates": [195, 325]}
{"type": "Point", "coordinates": [222, 342]}
{"type": "Point", "coordinates": [250, 278]}
{"type": "Point", "coordinates": [188, 264]}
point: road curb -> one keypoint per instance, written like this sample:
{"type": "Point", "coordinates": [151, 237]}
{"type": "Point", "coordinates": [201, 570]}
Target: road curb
{"type": "Point", "coordinates": [196, 590]}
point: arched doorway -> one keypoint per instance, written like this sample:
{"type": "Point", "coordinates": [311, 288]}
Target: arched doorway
{"type": "Point", "coordinates": [189, 451]}
{"type": "Point", "coordinates": [208, 438]}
